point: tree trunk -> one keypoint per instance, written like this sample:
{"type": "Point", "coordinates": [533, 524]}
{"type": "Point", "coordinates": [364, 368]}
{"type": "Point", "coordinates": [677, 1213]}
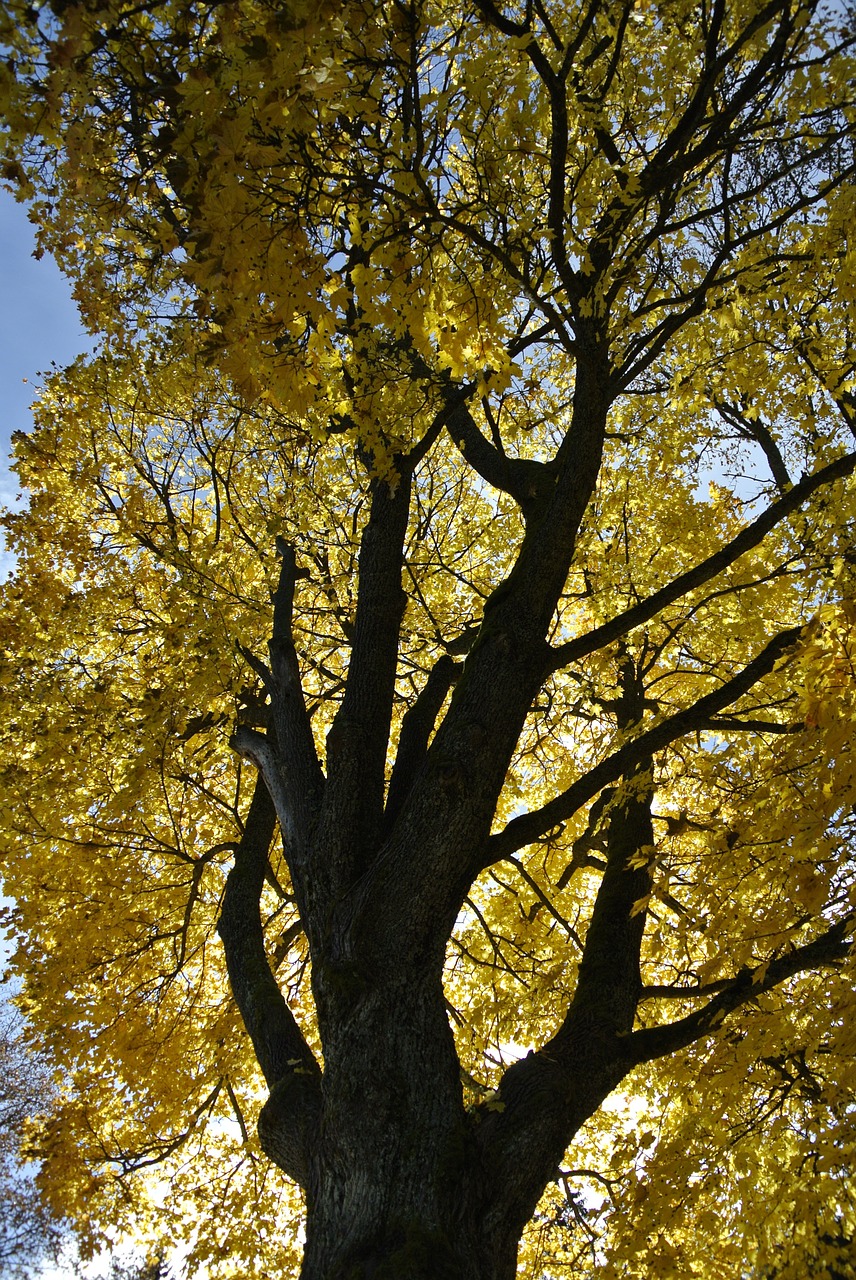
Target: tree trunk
{"type": "Point", "coordinates": [395, 1190]}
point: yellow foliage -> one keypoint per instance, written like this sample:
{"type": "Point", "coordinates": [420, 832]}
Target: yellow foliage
{"type": "Point", "coordinates": [333, 250]}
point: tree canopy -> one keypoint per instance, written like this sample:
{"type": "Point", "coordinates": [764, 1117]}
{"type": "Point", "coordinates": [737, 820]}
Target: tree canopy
{"type": "Point", "coordinates": [429, 671]}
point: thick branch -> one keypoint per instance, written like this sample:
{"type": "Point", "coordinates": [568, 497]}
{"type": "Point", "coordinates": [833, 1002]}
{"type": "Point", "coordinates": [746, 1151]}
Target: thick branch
{"type": "Point", "coordinates": [529, 827]}
{"type": "Point", "coordinates": [548, 1095]}
{"type": "Point", "coordinates": [286, 1061]}
{"type": "Point", "coordinates": [746, 724]}
{"type": "Point", "coordinates": [755, 429]}
{"type": "Point", "coordinates": [359, 736]}
{"type": "Point", "coordinates": [528, 482]}
{"type": "Point", "coordinates": [674, 156]}
{"type": "Point", "coordinates": [545, 1097]}
{"type": "Point", "coordinates": [302, 778]}
{"type": "Point", "coordinates": [416, 729]}
{"type": "Point", "coordinates": [256, 747]}
{"type": "Point", "coordinates": [748, 538]}
{"type": "Point", "coordinates": [557, 218]}
{"type": "Point", "coordinates": [418, 883]}
{"type": "Point", "coordinates": [609, 981]}
{"type": "Point", "coordinates": [496, 18]}
{"type": "Point", "coordinates": [844, 399]}
{"type": "Point", "coordinates": [556, 86]}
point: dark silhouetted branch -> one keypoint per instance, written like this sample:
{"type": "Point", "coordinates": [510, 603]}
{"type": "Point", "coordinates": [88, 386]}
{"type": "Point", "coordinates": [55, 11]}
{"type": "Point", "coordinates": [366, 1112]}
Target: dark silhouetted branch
{"type": "Point", "coordinates": [529, 827]}
{"type": "Point", "coordinates": [748, 538]}
{"type": "Point", "coordinates": [289, 1118]}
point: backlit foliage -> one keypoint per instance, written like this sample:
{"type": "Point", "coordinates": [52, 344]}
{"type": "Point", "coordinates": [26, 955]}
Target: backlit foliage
{"type": "Point", "coordinates": [314, 238]}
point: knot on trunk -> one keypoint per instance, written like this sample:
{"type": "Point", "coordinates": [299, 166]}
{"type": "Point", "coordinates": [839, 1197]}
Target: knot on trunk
{"type": "Point", "coordinates": [288, 1124]}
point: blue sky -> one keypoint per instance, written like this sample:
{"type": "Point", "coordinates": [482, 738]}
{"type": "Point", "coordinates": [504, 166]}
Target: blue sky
{"type": "Point", "coordinates": [38, 325]}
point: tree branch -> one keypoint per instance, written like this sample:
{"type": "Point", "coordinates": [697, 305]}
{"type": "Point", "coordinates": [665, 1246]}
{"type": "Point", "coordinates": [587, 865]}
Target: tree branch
{"type": "Point", "coordinates": [301, 778]}
{"type": "Point", "coordinates": [649, 1043]}
{"type": "Point", "coordinates": [416, 728]}
{"type": "Point", "coordinates": [755, 429]}
{"type": "Point", "coordinates": [673, 153]}
{"type": "Point", "coordinates": [527, 481]}
{"type": "Point", "coordinates": [582, 646]}
{"type": "Point", "coordinates": [529, 827]}
{"type": "Point", "coordinates": [290, 1117]}
{"type": "Point", "coordinates": [423, 873]}
{"type": "Point", "coordinates": [359, 736]}
{"type": "Point", "coordinates": [609, 980]}
{"type": "Point", "coordinates": [256, 747]}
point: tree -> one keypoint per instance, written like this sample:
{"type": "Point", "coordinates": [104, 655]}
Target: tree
{"type": "Point", "coordinates": [439, 584]}
{"type": "Point", "coordinates": [134, 1270]}
{"type": "Point", "coordinates": [34, 1239]}
{"type": "Point", "coordinates": [29, 1234]}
